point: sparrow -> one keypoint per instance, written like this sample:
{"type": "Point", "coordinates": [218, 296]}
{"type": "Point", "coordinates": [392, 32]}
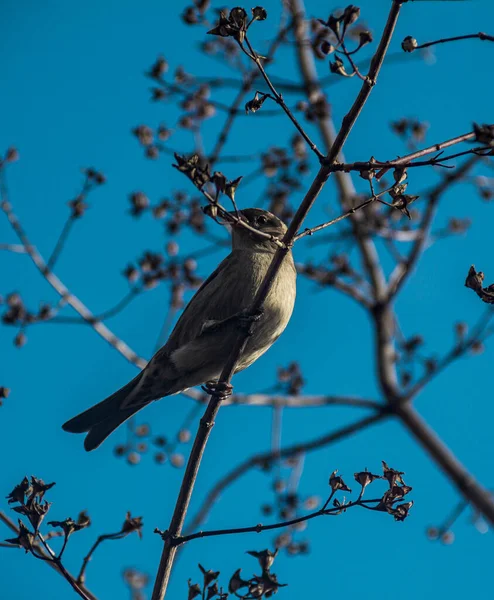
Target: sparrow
{"type": "Point", "coordinates": [205, 333]}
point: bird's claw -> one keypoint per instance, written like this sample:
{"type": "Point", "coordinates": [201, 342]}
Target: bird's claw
{"type": "Point", "coordinates": [245, 318]}
{"type": "Point", "coordinates": [220, 389]}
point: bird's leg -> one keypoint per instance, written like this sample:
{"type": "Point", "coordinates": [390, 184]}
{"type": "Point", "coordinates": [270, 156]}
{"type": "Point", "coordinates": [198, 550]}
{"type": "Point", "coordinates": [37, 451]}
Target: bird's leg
{"type": "Point", "coordinates": [218, 388]}
{"type": "Point", "coordinates": [244, 318]}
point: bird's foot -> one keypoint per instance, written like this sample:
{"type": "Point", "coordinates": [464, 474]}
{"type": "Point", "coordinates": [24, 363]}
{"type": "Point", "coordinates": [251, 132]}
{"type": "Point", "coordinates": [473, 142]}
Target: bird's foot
{"type": "Point", "coordinates": [245, 318]}
{"type": "Point", "coordinates": [220, 389]}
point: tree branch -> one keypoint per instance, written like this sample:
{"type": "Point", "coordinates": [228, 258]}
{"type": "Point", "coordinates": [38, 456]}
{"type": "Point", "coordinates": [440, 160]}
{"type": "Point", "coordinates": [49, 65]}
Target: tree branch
{"type": "Point", "coordinates": [403, 270]}
{"type": "Point", "coordinates": [267, 458]}
{"type": "Point", "coordinates": [445, 459]}
{"type": "Point", "coordinates": [47, 559]}
{"type": "Point", "coordinates": [58, 286]}
{"type": "Point", "coordinates": [480, 36]}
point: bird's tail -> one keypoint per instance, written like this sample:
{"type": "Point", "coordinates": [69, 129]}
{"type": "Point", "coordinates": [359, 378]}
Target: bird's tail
{"type": "Point", "coordinates": [102, 419]}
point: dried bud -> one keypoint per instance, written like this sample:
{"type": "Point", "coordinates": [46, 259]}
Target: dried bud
{"type": "Point", "coordinates": [484, 134]}
{"type": "Point", "coordinates": [132, 524]}
{"type": "Point", "coordinates": [219, 181]}
{"type": "Point", "coordinates": [213, 590]}
{"type": "Point", "coordinates": [236, 582]}
{"type": "Point", "coordinates": [392, 475]}
{"type": "Point", "coordinates": [94, 176]}
{"type": "Point", "coordinates": [265, 558]}
{"type": "Point", "coordinates": [351, 14]}
{"type": "Point", "coordinates": [20, 339]}
{"type": "Point", "coordinates": [163, 133]}
{"type": "Point", "coordinates": [139, 202]}
{"type": "Point", "coordinates": [83, 519]}
{"type": "Point", "coordinates": [177, 460]}
{"type": "Point", "coordinates": [409, 44]}
{"type": "Point", "coordinates": [25, 539]}
{"type": "Point", "coordinates": [20, 491]}
{"type": "Point", "coordinates": [133, 458]}
{"type": "Point", "coordinates": [12, 155]}
{"type": "Point", "coordinates": [131, 273]}
{"type": "Point", "coordinates": [338, 67]}
{"type": "Point", "coordinates": [474, 282]}
{"type": "Point", "coordinates": [477, 347]}
{"type": "Point", "coordinates": [447, 538]}
{"type": "Point", "coordinates": [400, 513]}
{"type": "Point", "coordinates": [235, 25]}
{"type": "Point", "coordinates": [160, 458]}
{"type": "Point", "coordinates": [159, 68]}
{"type": "Point", "coordinates": [231, 188]}
{"type": "Point", "coordinates": [337, 483]}
{"type": "Point", "coordinates": [364, 478]}
{"type": "Point", "coordinates": [326, 48]}
{"type": "Point", "coordinates": [69, 526]}
{"type": "Point", "coordinates": [144, 134]}
{"type": "Point", "coordinates": [184, 436]}
{"type": "Point", "coordinates": [255, 104]}
{"type": "Point", "coordinates": [194, 590]}
{"type": "Point", "coordinates": [365, 37]}
{"type": "Point", "coordinates": [461, 329]}
{"type": "Point", "coordinates": [152, 152]}
{"type": "Point", "coordinates": [209, 576]}
{"type": "Point", "coordinates": [259, 13]}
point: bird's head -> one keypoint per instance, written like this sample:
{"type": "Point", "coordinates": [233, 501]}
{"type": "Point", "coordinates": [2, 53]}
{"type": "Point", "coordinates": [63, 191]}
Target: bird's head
{"type": "Point", "coordinates": [259, 219]}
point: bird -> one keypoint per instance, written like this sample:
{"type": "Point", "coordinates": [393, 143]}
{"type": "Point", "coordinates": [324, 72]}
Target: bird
{"type": "Point", "coordinates": [203, 338]}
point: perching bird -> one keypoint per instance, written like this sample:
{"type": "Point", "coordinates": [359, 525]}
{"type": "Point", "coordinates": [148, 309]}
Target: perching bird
{"type": "Point", "coordinates": [203, 337]}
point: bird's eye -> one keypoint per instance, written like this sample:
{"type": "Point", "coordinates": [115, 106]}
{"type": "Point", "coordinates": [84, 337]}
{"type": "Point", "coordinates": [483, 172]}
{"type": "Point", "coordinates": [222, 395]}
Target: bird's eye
{"type": "Point", "coordinates": [262, 220]}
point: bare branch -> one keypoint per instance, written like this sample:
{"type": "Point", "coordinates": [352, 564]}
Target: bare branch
{"type": "Point", "coordinates": [302, 401]}
{"type": "Point", "coordinates": [47, 558]}
{"type": "Point", "coordinates": [403, 270]}
{"type": "Point", "coordinates": [479, 36]}
{"type": "Point", "coordinates": [279, 100]}
{"type": "Point", "coordinates": [58, 286]}
{"type": "Point", "coordinates": [267, 458]}
{"type": "Point", "coordinates": [442, 456]}
{"type": "Point", "coordinates": [405, 160]}
{"type": "Point", "coordinates": [478, 334]}
{"type": "Point", "coordinates": [16, 248]}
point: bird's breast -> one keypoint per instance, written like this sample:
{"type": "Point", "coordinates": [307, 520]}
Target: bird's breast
{"type": "Point", "coordinates": [277, 308]}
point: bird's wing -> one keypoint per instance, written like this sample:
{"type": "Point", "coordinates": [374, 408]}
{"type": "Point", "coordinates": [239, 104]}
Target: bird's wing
{"type": "Point", "coordinates": [219, 297]}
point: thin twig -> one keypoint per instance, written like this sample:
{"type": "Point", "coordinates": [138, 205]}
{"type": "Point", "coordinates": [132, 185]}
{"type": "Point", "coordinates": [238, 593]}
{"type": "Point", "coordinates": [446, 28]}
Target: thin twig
{"type": "Point", "coordinates": [267, 458]}
{"type": "Point", "coordinates": [349, 213]}
{"type": "Point", "coordinates": [81, 578]}
{"type": "Point", "coordinates": [47, 557]}
{"type": "Point", "coordinates": [404, 160]}
{"type": "Point", "coordinates": [58, 286]}
{"type": "Point", "coordinates": [480, 36]}
{"type": "Point", "coordinates": [59, 246]}
{"type": "Point", "coordinates": [445, 459]}
{"type": "Point", "coordinates": [16, 248]}
{"type": "Point", "coordinates": [107, 314]}
{"type": "Point", "coordinates": [259, 528]}
{"type": "Point", "coordinates": [302, 401]}
{"type": "Point", "coordinates": [459, 350]}
{"type": "Point", "coordinates": [436, 161]}
{"type": "Point", "coordinates": [247, 84]}
{"type": "Point", "coordinates": [279, 99]}
{"type": "Point", "coordinates": [404, 269]}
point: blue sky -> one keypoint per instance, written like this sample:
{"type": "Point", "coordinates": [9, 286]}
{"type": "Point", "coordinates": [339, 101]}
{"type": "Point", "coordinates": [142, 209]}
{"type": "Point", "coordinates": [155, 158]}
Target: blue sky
{"type": "Point", "coordinates": [72, 89]}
